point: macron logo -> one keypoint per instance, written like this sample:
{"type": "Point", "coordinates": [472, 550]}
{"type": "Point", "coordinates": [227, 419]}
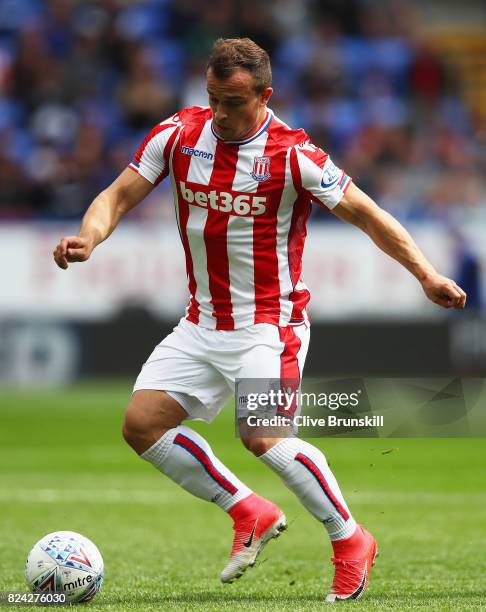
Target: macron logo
{"type": "Point", "coordinates": [197, 153]}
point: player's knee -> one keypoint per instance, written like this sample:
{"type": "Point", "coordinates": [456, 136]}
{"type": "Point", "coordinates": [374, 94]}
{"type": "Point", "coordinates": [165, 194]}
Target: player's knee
{"type": "Point", "coordinates": [141, 427]}
{"type": "Point", "coordinates": [135, 426]}
{"type": "Point", "coordinates": [258, 446]}
{"type": "Point", "coordinates": [148, 417]}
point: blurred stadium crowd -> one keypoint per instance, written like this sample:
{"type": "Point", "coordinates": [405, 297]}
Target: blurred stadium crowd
{"type": "Point", "coordinates": [81, 82]}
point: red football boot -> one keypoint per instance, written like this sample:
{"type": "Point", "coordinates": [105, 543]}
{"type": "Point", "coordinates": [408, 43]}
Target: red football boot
{"type": "Point", "coordinates": [256, 522]}
{"type": "Point", "coordinates": [353, 559]}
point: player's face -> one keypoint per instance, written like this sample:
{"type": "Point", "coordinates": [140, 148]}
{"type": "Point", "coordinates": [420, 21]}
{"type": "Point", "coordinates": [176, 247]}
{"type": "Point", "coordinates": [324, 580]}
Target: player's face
{"type": "Point", "coordinates": [237, 107]}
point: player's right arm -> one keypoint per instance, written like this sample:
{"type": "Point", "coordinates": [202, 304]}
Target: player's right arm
{"type": "Point", "coordinates": [148, 167]}
{"type": "Point", "coordinates": [103, 215]}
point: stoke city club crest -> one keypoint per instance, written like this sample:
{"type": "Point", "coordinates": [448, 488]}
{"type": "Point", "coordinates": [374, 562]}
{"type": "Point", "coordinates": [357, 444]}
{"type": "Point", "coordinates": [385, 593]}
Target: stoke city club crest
{"type": "Point", "coordinates": [261, 168]}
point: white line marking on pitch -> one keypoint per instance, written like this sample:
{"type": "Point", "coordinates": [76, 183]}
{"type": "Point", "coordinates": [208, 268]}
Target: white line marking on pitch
{"type": "Point", "coordinates": [147, 496]}
{"type": "Point", "coordinates": [110, 496]}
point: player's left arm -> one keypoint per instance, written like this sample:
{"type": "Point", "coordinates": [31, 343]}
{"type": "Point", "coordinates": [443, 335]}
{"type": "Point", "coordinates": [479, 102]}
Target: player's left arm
{"type": "Point", "coordinates": [391, 237]}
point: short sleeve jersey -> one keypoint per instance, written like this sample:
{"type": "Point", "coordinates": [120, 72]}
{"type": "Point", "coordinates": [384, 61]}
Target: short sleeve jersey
{"type": "Point", "coordinates": [241, 209]}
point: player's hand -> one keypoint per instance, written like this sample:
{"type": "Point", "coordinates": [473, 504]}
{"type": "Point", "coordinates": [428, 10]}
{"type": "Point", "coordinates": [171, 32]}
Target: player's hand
{"type": "Point", "coordinates": [70, 249]}
{"type": "Point", "coordinates": [444, 291]}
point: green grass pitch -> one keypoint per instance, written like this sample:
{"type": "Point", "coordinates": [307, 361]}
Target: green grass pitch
{"type": "Point", "coordinates": [63, 465]}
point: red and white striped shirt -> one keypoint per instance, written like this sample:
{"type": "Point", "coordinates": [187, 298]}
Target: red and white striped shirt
{"type": "Point", "coordinates": [241, 209]}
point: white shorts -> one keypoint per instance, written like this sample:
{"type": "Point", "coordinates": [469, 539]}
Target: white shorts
{"type": "Point", "coordinates": [198, 366]}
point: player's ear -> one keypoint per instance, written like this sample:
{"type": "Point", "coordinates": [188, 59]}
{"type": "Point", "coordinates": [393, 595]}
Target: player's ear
{"type": "Point", "coordinates": [265, 95]}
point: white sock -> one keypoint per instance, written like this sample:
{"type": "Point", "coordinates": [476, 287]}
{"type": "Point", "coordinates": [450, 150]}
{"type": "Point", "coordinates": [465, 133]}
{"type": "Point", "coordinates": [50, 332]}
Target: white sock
{"type": "Point", "coordinates": [305, 471]}
{"type": "Point", "coordinates": [185, 457]}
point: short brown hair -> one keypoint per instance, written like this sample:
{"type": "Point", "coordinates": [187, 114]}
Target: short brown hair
{"type": "Point", "coordinates": [229, 54]}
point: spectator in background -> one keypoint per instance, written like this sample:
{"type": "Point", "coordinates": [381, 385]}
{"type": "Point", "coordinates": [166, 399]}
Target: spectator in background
{"type": "Point", "coordinates": [145, 96]}
{"type": "Point", "coordinates": [468, 272]}
{"type": "Point", "coordinates": [356, 75]}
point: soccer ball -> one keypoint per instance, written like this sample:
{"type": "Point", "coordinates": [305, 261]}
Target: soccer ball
{"type": "Point", "coordinates": [65, 562]}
